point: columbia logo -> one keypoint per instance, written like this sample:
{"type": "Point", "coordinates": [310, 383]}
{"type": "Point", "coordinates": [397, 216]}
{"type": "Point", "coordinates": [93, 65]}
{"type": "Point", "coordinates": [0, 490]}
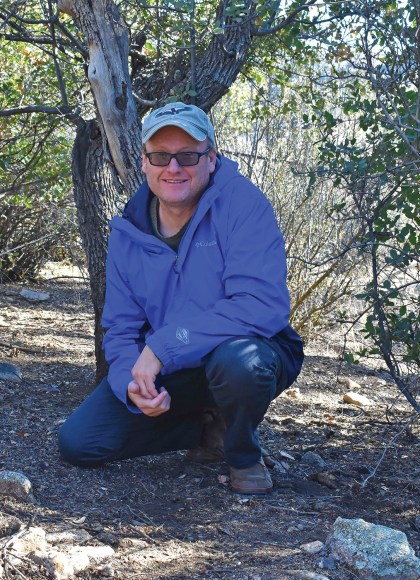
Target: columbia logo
{"type": "Point", "coordinates": [205, 243]}
{"type": "Point", "coordinates": [183, 334]}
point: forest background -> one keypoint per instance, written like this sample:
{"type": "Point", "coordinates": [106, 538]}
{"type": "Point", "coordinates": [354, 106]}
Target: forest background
{"type": "Point", "coordinates": [318, 101]}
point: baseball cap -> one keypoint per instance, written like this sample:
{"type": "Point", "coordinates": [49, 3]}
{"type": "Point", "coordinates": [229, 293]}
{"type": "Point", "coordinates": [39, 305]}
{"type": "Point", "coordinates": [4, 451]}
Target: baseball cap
{"type": "Point", "coordinates": [190, 118]}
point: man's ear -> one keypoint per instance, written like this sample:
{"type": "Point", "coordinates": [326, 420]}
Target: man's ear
{"type": "Point", "coordinates": [143, 161]}
{"type": "Point", "coordinates": [212, 159]}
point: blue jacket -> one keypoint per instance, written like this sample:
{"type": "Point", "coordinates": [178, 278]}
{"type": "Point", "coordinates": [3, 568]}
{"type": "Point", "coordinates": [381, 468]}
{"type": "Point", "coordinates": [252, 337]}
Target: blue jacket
{"type": "Point", "coordinates": [227, 279]}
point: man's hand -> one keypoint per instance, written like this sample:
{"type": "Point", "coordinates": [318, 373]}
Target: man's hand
{"type": "Point", "coordinates": [145, 371]}
{"type": "Point", "coordinates": [142, 390]}
{"type": "Point", "coordinates": [149, 406]}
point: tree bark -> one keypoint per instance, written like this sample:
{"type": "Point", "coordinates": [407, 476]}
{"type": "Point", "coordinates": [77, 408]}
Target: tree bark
{"type": "Point", "coordinates": [107, 152]}
{"type": "Point", "coordinates": [108, 44]}
{"type": "Point", "coordinates": [96, 188]}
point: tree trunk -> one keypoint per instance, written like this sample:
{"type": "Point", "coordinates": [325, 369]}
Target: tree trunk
{"type": "Point", "coordinates": [96, 188]}
{"type": "Point", "coordinates": [107, 152]}
{"type": "Point", "coordinates": [108, 43]}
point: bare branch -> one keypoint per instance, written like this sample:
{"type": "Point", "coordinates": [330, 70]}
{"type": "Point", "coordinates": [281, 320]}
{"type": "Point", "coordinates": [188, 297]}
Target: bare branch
{"type": "Point", "coordinates": [290, 18]}
{"type": "Point", "coordinates": [63, 111]}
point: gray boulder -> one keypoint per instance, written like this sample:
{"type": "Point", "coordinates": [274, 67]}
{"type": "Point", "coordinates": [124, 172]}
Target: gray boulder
{"type": "Point", "coordinates": [10, 372]}
{"type": "Point", "coordinates": [15, 484]}
{"type": "Point", "coordinates": [374, 552]}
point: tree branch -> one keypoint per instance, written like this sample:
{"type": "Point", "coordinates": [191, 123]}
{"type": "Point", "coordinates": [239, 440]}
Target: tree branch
{"type": "Point", "coordinates": [285, 22]}
{"type": "Point", "coordinates": [63, 111]}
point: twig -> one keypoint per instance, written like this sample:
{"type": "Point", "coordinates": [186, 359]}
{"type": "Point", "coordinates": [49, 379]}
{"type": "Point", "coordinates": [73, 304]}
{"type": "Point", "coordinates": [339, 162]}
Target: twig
{"type": "Point", "coordinates": [22, 348]}
{"type": "Point", "coordinates": [381, 458]}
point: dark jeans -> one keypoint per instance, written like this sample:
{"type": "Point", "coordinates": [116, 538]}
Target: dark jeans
{"type": "Point", "coordinates": [241, 377]}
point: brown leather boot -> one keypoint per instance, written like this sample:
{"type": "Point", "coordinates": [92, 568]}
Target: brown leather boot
{"type": "Point", "coordinates": [211, 443]}
{"type": "Point", "coordinates": [253, 480]}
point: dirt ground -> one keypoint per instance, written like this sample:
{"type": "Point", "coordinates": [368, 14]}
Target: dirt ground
{"type": "Point", "coordinates": [181, 517]}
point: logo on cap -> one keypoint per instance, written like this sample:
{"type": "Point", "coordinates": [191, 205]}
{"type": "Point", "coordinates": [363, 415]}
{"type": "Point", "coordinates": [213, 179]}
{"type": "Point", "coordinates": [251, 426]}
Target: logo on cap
{"type": "Point", "coordinates": [173, 111]}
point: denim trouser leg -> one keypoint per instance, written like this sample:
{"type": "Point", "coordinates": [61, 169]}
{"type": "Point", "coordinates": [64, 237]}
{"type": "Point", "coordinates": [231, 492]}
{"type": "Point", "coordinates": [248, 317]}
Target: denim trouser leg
{"type": "Point", "coordinates": [244, 375]}
{"type": "Point", "coordinates": [103, 429]}
{"type": "Point", "coordinates": [241, 376]}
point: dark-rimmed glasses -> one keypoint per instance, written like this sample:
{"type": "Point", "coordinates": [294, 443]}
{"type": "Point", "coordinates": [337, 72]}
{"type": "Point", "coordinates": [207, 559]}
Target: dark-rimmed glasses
{"type": "Point", "coordinates": [184, 158]}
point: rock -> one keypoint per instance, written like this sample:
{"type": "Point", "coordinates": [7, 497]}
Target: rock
{"type": "Point", "coordinates": [286, 455]}
{"type": "Point", "coordinates": [62, 564]}
{"type": "Point", "coordinates": [313, 460]}
{"type": "Point", "coordinates": [1, 571]}
{"type": "Point", "coordinates": [34, 296]}
{"type": "Point", "coordinates": [65, 565]}
{"type": "Point", "coordinates": [312, 547]}
{"type": "Point", "coordinates": [281, 467]}
{"type": "Point", "coordinates": [417, 522]}
{"type": "Point", "coordinates": [373, 551]}
{"type": "Point", "coordinates": [68, 537]}
{"type": "Point", "coordinates": [293, 393]}
{"type": "Point", "coordinates": [304, 575]}
{"type": "Point", "coordinates": [352, 385]}
{"type": "Point", "coordinates": [134, 543]}
{"type": "Point", "coordinates": [356, 399]}
{"type": "Point", "coordinates": [10, 372]}
{"type": "Point", "coordinates": [3, 322]}
{"type": "Point", "coordinates": [9, 525]}
{"type": "Point", "coordinates": [327, 563]}
{"type": "Point", "coordinates": [325, 478]}
{"type": "Point", "coordinates": [30, 541]}
{"type": "Point", "coordinates": [106, 570]}
{"type": "Point", "coordinates": [15, 484]}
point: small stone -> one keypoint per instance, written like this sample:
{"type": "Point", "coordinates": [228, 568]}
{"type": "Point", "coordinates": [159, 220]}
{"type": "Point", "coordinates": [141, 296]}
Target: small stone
{"type": "Point", "coordinates": [106, 570]}
{"type": "Point", "coordinates": [281, 467]}
{"type": "Point", "coordinates": [313, 459]}
{"type": "Point", "coordinates": [352, 385]}
{"type": "Point", "coordinates": [68, 537]}
{"type": "Point", "coordinates": [10, 372]}
{"type": "Point", "coordinates": [293, 393]}
{"type": "Point", "coordinates": [356, 399]}
{"type": "Point", "coordinates": [327, 563]}
{"type": "Point", "coordinates": [15, 484]}
{"type": "Point", "coordinates": [9, 525]}
{"type": "Point", "coordinates": [327, 479]}
{"type": "Point", "coordinates": [288, 421]}
{"type": "Point", "coordinates": [133, 543]}
{"type": "Point", "coordinates": [286, 455]}
{"type": "Point", "coordinates": [107, 538]}
{"type": "Point", "coordinates": [34, 296]}
{"type": "Point", "coordinates": [312, 547]}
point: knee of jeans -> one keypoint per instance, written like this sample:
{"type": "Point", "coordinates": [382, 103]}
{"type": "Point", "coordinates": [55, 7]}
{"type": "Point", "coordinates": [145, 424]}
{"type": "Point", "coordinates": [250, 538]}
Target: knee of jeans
{"type": "Point", "coordinates": [243, 366]}
{"type": "Point", "coordinates": [72, 448]}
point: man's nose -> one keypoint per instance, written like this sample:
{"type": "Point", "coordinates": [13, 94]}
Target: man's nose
{"type": "Point", "coordinates": [173, 165]}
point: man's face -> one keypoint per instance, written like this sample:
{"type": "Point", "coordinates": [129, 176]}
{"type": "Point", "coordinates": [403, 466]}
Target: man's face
{"type": "Point", "coordinates": [173, 185]}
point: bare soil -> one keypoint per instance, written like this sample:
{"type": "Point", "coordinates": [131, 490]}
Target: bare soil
{"type": "Point", "coordinates": [190, 524]}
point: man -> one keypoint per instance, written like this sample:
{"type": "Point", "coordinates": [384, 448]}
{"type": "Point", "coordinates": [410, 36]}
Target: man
{"type": "Point", "coordinates": [196, 312]}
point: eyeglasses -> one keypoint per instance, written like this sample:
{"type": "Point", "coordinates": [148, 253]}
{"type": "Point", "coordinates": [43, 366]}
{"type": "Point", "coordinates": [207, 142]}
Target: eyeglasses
{"type": "Point", "coordinates": [185, 158]}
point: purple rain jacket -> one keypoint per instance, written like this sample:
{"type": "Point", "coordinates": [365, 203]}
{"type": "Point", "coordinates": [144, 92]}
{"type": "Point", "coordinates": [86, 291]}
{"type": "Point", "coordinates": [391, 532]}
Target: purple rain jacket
{"type": "Point", "coordinates": [228, 279]}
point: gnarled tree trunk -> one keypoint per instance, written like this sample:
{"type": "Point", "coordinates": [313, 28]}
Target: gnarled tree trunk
{"type": "Point", "coordinates": [96, 188]}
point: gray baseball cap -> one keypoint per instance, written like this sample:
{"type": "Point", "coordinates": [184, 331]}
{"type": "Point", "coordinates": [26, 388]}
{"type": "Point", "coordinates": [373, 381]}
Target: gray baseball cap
{"type": "Point", "coordinates": [190, 118]}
